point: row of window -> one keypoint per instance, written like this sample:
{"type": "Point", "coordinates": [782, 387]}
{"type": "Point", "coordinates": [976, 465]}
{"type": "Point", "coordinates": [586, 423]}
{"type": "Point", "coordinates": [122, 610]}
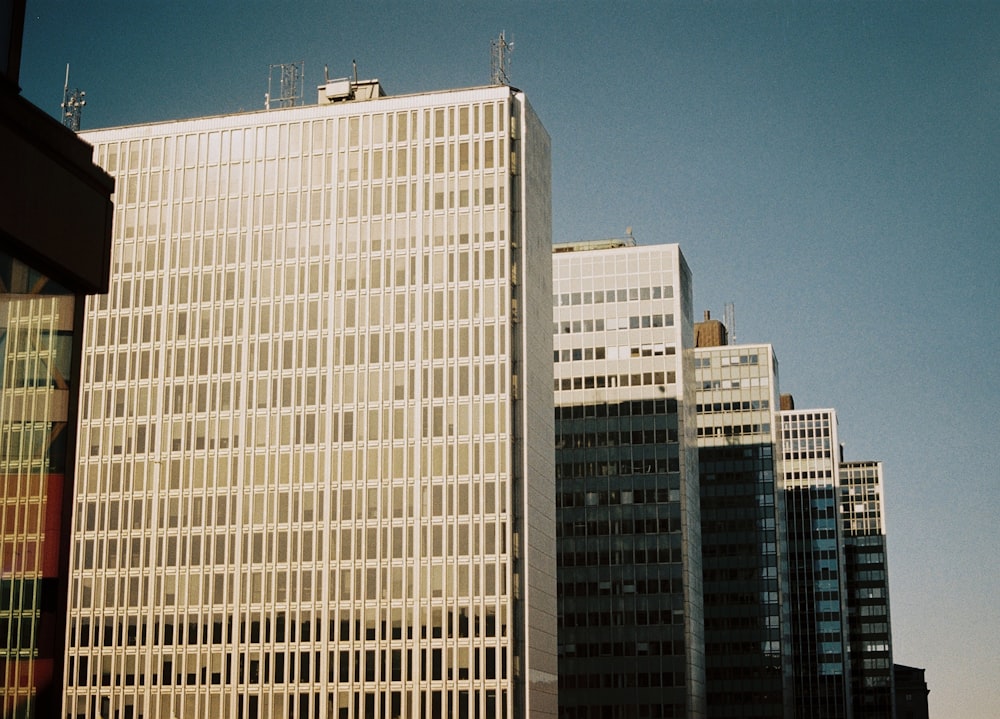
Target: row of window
{"type": "Point", "coordinates": [592, 709]}
{"type": "Point", "coordinates": [825, 454]}
{"type": "Point", "coordinates": [599, 297]}
{"type": "Point", "coordinates": [653, 349]}
{"type": "Point", "coordinates": [619, 587]}
{"type": "Point", "coordinates": [648, 465]}
{"type": "Point", "coordinates": [611, 324]}
{"type": "Point", "coordinates": [614, 380]}
{"type": "Point", "coordinates": [710, 384]}
{"type": "Point", "coordinates": [619, 557]}
{"type": "Point", "coordinates": [429, 665]}
{"type": "Point", "coordinates": [303, 704]}
{"type": "Point", "coordinates": [133, 631]}
{"type": "Point", "coordinates": [292, 140]}
{"type": "Point", "coordinates": [618, 528]}
{"type": "Point", "coordinates": [635, 618]}
{"type": "Point", "coordinates": [734, 430]}
{"type": "Point", "coordinates": [621, 680]}
{"type": "Point", "coordinates": [616, 437]}
{"type": "Point", "coordinates": [810, 474]}
{"type": "Point", "coordinates": [634, 408]}
{"type": "Point", "coordinates": [595, 498]}
{"type": "Point", "coordinates": [726, 360]}
{"type": "Point", "coordinates": [738, 406]}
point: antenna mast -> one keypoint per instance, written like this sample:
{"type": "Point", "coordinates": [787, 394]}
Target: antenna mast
{"type": "Point", "coordinates": [72, 104]}
{"type": "Point", "coordinates": [290, 86]}
{"type": "Point", "coordinates": [500, 52]}
{"type": "Point", "coordinates": [729, 320]}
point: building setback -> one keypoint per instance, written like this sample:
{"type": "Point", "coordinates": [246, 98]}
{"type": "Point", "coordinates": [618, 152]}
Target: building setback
{"type": "Point", "coordinates": [744, 555]}
{"type": "Point", "coordinates": [316, 472]}
{"type": "Point", "coordinates": [629, 550]}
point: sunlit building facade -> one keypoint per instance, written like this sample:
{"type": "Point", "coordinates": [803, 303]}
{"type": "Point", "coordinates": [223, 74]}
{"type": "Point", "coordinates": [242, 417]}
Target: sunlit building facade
{"type": "Point", "coordinates": [629, 549]}
{"type": "Point", "coordinates": [747, 661]}
{"type": "Point", "coordinates": [316, 470]}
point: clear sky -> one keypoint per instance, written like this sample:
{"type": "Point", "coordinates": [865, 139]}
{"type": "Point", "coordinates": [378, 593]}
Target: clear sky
{"type": "Point", "coordinates": [831, 168]}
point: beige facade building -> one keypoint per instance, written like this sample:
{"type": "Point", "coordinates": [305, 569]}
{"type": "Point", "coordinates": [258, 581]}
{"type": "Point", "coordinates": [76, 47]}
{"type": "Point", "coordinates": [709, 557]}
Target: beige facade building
{"type": "Point", "coordinates": [316, 474]}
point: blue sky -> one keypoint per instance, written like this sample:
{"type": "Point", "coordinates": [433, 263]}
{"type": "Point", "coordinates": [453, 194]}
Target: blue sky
{"type": "Point", "coordinates": [830, 168]}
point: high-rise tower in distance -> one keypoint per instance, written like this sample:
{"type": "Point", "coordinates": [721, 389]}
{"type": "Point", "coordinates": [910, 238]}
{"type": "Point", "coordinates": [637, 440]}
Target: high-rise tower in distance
{"type": "Point", "coordinates": [862, 510]}
{"type": "Point", "coordinates": [316, 474]}
{"type": "Point", "coordinates": [744, 553]}
{"type": "Point", "coordinates": [629, 549]}
{"type": "Point", "coordinates": [810, 466]}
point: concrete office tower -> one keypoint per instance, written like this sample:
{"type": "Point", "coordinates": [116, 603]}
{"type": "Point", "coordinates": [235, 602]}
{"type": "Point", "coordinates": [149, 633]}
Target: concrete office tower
{"type": "Point", "coordinates": [316, 477]}
{"type": "Point", "coordinates": [817, 581]}
{"type": "Point", "coordinates": [862, 511]}
{"type": "Point", "coordinates": [630, 605]}
{"type": "Point", "coordinates": [747, 662]}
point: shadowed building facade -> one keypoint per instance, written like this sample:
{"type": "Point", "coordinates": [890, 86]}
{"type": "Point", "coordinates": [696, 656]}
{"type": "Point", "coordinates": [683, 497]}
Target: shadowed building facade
{"type": "Point", "coordinates": [862, 510]}
{"type": "Point", "coordinates": [747, 662]}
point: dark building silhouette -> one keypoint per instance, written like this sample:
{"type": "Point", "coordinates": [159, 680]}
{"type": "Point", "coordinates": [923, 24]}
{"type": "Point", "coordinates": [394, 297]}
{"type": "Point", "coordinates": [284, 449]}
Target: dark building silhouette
{"type": "Point", "coordinates": [55, 230]}
{"type": "Point", "coordinates": [911, 692]}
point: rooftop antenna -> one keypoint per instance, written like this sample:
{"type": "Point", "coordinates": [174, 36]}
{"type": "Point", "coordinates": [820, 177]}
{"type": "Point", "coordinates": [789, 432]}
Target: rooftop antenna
{"type": "Point", "coordinates": [72, 104]}
{"type": "Point", "coordinates": [290, 86]}
{"type": "Point", "coordinates": [729, 320]}
{"type": "Point", "coordinates": [500, 52]}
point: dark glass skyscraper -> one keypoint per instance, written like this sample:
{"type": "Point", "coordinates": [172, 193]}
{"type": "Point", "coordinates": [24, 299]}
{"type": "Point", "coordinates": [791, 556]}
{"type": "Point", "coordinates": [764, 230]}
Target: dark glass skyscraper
{"type": "Point", "coordinates": [820, 652]}
{"type": "Point", "coordinates": [863, 515]}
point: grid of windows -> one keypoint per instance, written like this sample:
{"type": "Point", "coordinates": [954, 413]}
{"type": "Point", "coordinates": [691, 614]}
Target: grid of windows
{"type": "Point", "coordinates": [743, 551]}
{"type": "Point", "coordinates": [629, 642]}
{"type": "Point", "coordinates": [36, 348]}
{"type": "Point", "coordinates": [298, 496]}
{"type": "Point", "coordinates": [818, 591]}
{"type": "Point", "coordinates": [861, 511]}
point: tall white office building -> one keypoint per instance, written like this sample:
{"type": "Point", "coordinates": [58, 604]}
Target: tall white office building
{"type": "Point", "coordinates": [316, 471]}
{"type": "Point", "coordinates": [631, 638]}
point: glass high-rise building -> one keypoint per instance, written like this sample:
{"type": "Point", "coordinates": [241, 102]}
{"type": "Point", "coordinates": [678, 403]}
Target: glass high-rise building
{"type": "Point", "coordinates": [629, 549]}
{"type": "Point", "coordinates": [821, 662]}
{"type": "Point", "coordinates": [316, 467]}
{"type": "Point", "coordinates": [862, 510]}
{"type": "Point", "coordinates": [747, 661]}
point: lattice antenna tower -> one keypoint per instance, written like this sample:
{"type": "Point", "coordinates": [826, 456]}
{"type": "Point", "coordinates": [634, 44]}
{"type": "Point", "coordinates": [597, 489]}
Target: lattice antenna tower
{"type": "Point", "coordinates": [729, 320]}
{"type": "Point", "coordinates": [290, 88]}
{"type": "Point", "coordinates": [500, 52]}
{"type": "Point", "coordinates": [72, 104]}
